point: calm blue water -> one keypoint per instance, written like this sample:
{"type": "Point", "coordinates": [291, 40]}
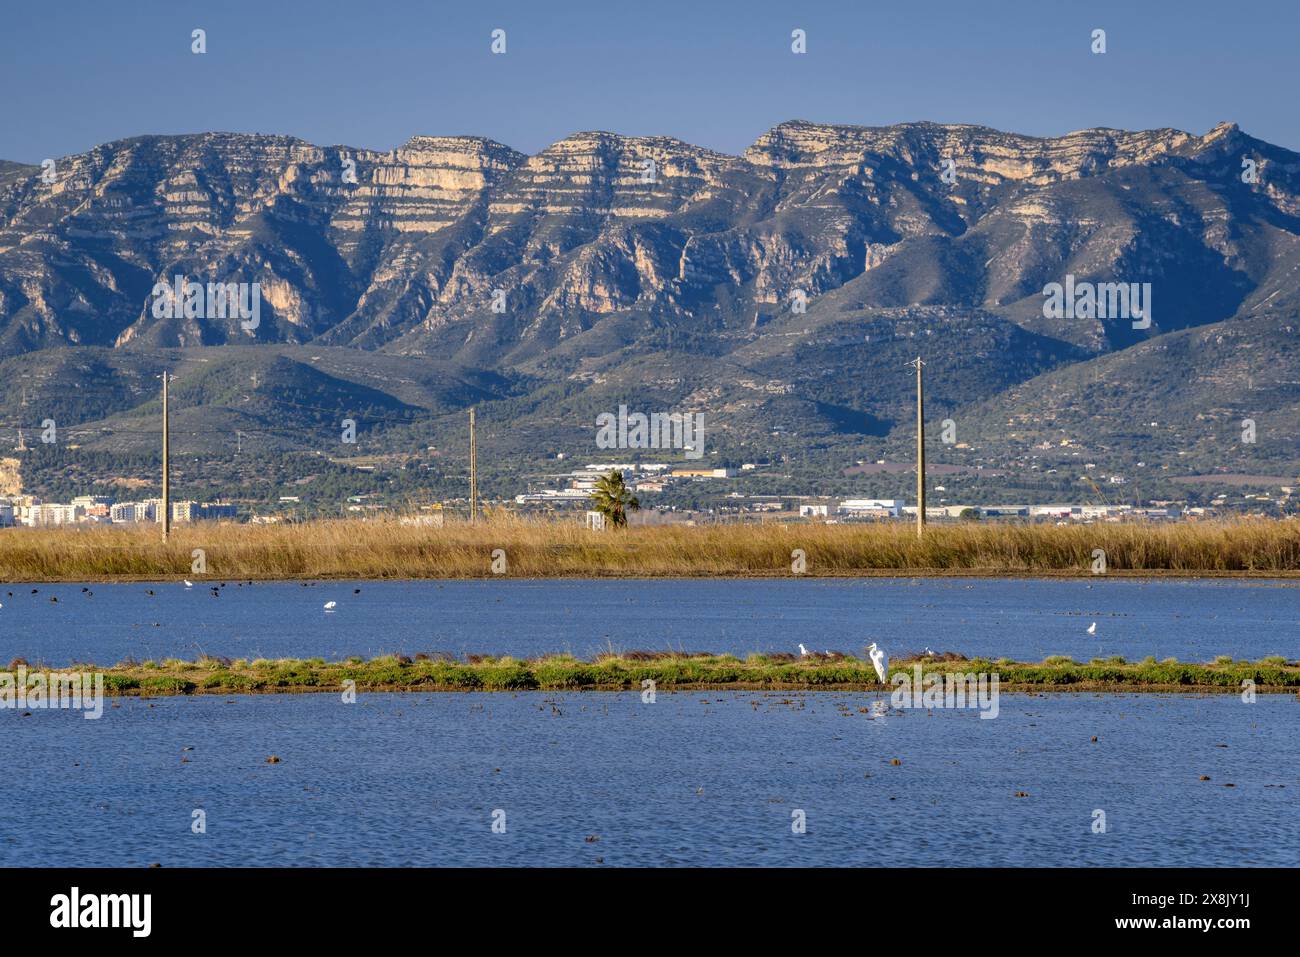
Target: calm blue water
{"type": "Point", "coordinates": [1029, 619]}
{"type": "Point", "coordinates": [695, 778]}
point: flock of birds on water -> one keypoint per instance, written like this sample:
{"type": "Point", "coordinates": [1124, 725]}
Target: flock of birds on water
{"type": "Point", "coordinates": [216, 592]}
{"type": "Point", "coordinates": [879, 658]}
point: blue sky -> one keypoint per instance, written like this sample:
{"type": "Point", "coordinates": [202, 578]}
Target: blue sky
{"type": "Point", "coordinates": [372, 74]}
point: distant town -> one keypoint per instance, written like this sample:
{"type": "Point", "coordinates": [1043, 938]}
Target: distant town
{"type": "Point", "coordinates": [654, 478]}
{"type": "Point", "coordinates": [572, 494]}
{"type": "Point", "coordinates": [30, 511]}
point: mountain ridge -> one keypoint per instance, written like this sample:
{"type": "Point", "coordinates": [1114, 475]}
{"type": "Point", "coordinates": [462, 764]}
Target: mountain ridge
{"type": "Point", "coordinates": [778, 289]}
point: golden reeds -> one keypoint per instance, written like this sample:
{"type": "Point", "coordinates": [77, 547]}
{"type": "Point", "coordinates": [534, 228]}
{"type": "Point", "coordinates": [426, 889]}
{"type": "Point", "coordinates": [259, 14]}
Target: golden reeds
{"type": "Point", "coordinates": [537, 548]}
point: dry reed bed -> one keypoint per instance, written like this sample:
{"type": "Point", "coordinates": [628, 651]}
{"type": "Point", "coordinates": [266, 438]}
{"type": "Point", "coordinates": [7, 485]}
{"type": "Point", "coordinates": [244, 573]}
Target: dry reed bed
{"type": "Point", "coordinates": [545, 549]}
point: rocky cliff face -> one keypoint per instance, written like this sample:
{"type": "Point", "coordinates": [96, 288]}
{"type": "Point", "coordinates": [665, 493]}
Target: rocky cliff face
{"type": "Point", "coordinates": [463, 248]}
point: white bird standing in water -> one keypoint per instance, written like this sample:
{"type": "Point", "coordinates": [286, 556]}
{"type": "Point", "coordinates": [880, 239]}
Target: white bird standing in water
{"type": "Point", "coordinates": [1092, 629]}
{"type": "Point", "coordinates": [331, 605]}
{"type": "Point", "coordinates": [880, 660]}
{"type": "Point", "coordinates": [803, 652]}
{"type": "Point", "coordinates": [188, 583]}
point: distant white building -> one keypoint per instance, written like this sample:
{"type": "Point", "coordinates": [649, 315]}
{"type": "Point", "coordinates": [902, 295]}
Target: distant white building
{"type": "Point", "coordinates": [128, 512]}
{"type": "Point", "coordinates": [45, 516]}
{"type": "Point", "coordinates": [1053, 511]}
{"type": "Point", "coordinates": [872, 507]}
{"type": "Point", "coordinates": [814, 511]}
{"type": "Point", "coordinates": [554, 495]}
{"type": "Point", "coordinates": [703, 473]}
{"type": "Point", "coordinates": [90, 501]}
{"type": "Point", "coordinates": [1159, 514]}
{"type": "Point", "coordinates": [935, 511]}
{"type": "Point", "coordinates": [1104, 511]}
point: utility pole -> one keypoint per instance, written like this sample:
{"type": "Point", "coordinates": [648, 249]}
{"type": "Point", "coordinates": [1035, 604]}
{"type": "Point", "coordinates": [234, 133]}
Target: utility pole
{"type": "Point", "coordinates": [166, 465]}
{"type": "Point", "coordinates": [920, 450]}
{"type": "Point", "coordinates": [473, 471]}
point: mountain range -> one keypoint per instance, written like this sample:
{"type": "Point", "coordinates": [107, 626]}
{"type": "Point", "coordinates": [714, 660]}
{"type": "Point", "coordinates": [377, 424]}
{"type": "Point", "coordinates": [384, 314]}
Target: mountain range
{"type": "Point", "coordinates": [780, 293]}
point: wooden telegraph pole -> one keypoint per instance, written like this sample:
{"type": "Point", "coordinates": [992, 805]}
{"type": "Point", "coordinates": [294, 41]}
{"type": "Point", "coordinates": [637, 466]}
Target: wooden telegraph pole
{"type": "Point", "coordinates": [473, 471]}
{"type": "Point", "coordinates": [920, 450]}
{"type": "Point", "coordinates": [166, 463]}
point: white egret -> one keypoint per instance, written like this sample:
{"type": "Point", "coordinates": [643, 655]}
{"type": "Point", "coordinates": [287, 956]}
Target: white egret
{"type": "Point", "coordinates": [331, 605]}
{"type": "Point", "coordinates": [188, 583]}
{"type": "Point", "coordinates": [1092, 629]}
{"type": "Point", "coordinates": [880, 660]}
{"type": "Point", "coordinates": [803, 652]}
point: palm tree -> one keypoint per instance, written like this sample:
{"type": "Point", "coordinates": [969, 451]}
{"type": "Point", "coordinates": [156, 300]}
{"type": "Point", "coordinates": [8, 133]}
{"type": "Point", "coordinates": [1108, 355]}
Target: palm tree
{"type": "Point", "coordinates": [612, 498]}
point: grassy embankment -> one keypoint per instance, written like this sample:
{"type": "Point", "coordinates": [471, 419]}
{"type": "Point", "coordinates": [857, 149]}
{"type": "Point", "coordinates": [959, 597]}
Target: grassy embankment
{"type": "Point", "coordinates": [672, 671]}
{"type": "Point", "coordinates": [542, 549]}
